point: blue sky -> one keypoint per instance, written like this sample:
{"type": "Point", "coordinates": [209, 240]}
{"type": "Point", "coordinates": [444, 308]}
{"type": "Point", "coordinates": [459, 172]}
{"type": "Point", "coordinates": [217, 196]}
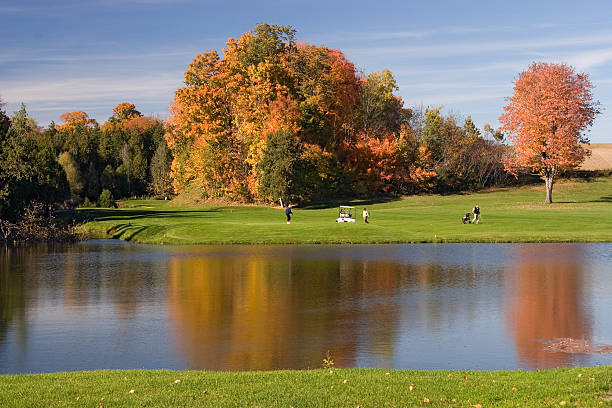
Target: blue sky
{"type": "Point", "coordinates": [90, 55]}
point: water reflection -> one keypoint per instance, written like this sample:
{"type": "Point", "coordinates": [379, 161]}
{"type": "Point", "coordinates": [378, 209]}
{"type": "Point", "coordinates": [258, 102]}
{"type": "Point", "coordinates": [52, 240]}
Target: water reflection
{"type": "Point", "coordinates": [260, 313]}
{"type": "Point", "coordinates": [546, 302]}
{"type": "Point", "coordinates": [108, 304]}
{"type": "Point", "coordinates": [12, 296]}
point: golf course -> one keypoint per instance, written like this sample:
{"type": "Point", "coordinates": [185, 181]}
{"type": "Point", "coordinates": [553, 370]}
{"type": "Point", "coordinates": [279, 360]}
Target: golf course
{"type": "Point", "coordinates": [581, 212]}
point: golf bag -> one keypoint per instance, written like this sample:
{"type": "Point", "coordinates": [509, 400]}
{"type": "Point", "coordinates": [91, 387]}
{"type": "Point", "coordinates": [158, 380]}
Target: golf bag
{"type": "Point", "coordinates": [466, 218]}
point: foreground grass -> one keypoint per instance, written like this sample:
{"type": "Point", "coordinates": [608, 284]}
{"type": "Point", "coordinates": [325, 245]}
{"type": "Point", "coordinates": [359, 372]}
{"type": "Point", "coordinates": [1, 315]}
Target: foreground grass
{"type": "Point", "coordinates": [582, 212]}
{"type": "Point", "coordinates": [584, 387]}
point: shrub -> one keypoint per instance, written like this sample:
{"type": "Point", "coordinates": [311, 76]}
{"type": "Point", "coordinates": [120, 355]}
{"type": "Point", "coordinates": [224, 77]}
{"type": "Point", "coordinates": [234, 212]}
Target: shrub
{"type": "Point", "coordinates": [106, 199]}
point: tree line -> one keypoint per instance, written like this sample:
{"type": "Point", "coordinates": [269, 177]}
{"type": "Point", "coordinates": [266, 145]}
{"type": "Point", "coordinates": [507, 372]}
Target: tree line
{"type": "Point", "coordinates": [80, 162]}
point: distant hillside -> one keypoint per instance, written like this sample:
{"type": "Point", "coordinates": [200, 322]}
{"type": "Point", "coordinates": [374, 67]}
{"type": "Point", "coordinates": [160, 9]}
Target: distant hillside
{"type": "Point", "coordinates": [601, 157]}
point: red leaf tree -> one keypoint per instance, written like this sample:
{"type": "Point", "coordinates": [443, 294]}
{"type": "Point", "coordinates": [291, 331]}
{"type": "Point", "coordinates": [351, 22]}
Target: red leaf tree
{"type": "Point", "coordinates": [545, 117]}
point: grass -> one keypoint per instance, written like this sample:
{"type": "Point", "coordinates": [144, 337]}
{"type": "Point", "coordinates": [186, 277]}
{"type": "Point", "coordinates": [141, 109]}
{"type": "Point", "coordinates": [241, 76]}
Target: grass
{"type": "Point", "coordinates": [583, 387]}
{"type": "Point", "coordinates": [582, 212]}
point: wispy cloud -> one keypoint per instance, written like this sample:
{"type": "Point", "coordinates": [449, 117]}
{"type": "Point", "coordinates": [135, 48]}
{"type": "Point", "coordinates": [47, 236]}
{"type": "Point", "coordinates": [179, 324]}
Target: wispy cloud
{"type": "Point", "coordinates": [482, 47]}
{"type": "Point", "coordinates": [447, 98]}
{"type": "Point", "coordinates": [157, 86]}
{"type": "Point", "coordinates": [589, 59]}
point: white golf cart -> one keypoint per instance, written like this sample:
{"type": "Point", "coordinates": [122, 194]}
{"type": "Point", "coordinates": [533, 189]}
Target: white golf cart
{"type": "Point", "coordinates": [345, 214]}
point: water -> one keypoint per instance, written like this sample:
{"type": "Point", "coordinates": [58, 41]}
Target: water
{"type": "Point", "coordinates": [111, 304]}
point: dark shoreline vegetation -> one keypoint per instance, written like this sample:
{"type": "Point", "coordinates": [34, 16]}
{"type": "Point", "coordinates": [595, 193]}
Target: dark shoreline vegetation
{"type": "Point", "coordinates": [582, 387]}
{"type": "Point", "coordinates": [39, 223]}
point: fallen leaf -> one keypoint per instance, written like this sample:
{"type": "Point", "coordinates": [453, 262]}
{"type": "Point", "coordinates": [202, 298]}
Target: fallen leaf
{"type": "Point", "coordinates": [579, 375]}
{"type": "Point", "coordinates": [411, 387]}
{"type": "Point", "coordinates": [592, 379]}
{"type": "Point", "coordinates": [450, 375]}
{"type": "Point", "coordinates": [477, 406]}
{"type": "Point", "coordinates": [426, 399]}
{"type": "Point", "coordinates": [131, 391]}
{"type": "Point", "coordinates": [204, 392]}
{"type": "Point", "coordinates": [513, 388]}
{"type": "Point", "coordinates": [345, 381]}
{"type": "Point", "coordinates": [562, 403]}
{"type": "Point", "coordinates": [177, 381]}
{"type": "Point", "coordinates": [77, 398]}
{"type": "Point", "coordinates": [124, 378]}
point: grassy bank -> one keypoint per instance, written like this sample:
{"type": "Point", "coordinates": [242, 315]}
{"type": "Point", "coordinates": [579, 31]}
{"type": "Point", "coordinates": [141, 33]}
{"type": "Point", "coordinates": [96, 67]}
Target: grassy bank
{"type": "Point", "coordinates": [582, 212]}
{"type": "Point", "coordinates": [584, 387]}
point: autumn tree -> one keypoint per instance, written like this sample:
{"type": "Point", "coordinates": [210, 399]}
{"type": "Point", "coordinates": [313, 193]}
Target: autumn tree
{"type": "Point", "coordinates": [124, 111]}
{"type": "Point", "coordinates": [379, 110]}
{"type": "Point", "coordinates": [545, 118]}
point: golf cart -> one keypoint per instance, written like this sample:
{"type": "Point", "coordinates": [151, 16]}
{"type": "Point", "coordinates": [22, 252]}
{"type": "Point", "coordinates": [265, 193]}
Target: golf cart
{"type": "Point", "coordinates": [345, 214]}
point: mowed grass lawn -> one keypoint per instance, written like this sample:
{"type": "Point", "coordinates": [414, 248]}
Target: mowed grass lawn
{"type": "Point", "coordinates": [582, 211]}
{"type": "Point", "coordinates": [576, 387]}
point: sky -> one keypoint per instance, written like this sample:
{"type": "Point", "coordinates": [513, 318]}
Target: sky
{"type": "Point", "coordinates": [91, 55]}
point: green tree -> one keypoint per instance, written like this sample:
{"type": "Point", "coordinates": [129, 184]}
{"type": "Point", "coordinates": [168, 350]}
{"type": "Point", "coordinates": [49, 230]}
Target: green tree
{"type": "Point", "coordinates": [92, 181]}
{"type": "Point", "coordinates": [5, 124]}
{"type": "Point", "coordinates": [29, 170]}
{"type": "Point", "coordinates": [73, 174]}
{"type": "Point", "coordinates": [277, 167]}
{"type": "Point", "coordinates": [161, 182]}
{"type": "Point", "coordinates": [106, 199]}
{"type": "Point", "coordinates": [107, 178]}
{"type": "Point", "coordinates": [432, 137]}
{"type": "Point", "coordinates": [379, 110]}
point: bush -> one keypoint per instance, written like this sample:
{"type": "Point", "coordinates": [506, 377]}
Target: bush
{"type": "Point", "coordinates": [106, 199]}
{"type": "Point", "coordinates": [87, 203]}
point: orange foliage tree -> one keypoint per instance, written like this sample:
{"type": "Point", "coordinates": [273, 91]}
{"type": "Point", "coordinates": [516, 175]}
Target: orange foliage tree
{"type": "Point", "coordinates": [74, 119]}
{"type": "Point", "coordinates": [545, 117]}
{"type": "Point", "coordinates": [264, 84]}
{"type": "Point", "coordinates": [343, 131]}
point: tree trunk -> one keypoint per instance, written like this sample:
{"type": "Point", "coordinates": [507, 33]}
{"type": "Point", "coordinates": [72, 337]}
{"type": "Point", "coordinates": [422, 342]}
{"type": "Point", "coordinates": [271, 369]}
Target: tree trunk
{"type": "Point", "coordinates": [549, 177]}
{"type": "Point", "coordinates": [549, 187]}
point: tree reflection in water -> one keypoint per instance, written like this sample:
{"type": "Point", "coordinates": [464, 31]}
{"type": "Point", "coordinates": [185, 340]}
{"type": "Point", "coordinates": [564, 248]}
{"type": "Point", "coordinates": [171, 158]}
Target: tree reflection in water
{"type": "Point", "coordinates": [545, 302]}
{"type": "Point", "coordinates": [266, 313]}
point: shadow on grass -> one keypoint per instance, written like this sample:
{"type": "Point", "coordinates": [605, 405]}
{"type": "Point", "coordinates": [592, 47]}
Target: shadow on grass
{"type": "Point", "coordinates": [604, 199]}
{"type": "Point", "coordinates": [126, 232]}
{"type": "Point", "coordinates": [106, 214]}
{"type": "Point", "coordinates": [351, 202]}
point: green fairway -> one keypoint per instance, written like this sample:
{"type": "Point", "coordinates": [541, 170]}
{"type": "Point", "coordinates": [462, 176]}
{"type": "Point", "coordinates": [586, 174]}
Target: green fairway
{"type": "Point", "coordinates": [582, 212]}
{"type": "Point", "coordinates": [582, 387]}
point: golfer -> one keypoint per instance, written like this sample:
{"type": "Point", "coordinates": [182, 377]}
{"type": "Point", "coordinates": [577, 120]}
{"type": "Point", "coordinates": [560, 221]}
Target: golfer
{"type": "Point", "coordinates": [476, 212]}
{"type": "Point", "coordinates": [288, 213]}
{"type": "Point", "coordinates": [366, 215]}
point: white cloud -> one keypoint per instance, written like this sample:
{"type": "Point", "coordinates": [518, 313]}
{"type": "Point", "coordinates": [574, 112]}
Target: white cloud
{"type": "Point", "coordinates": [482, 47]}
{"type": "Point", "coordinates": [158, 86]}
{"type": "Point", "coordinates": [589, 59]}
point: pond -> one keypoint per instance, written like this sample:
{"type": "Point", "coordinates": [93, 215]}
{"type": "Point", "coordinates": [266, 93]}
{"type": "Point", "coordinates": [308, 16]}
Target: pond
{"type": "Point", "coordinates": [105, 304]}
